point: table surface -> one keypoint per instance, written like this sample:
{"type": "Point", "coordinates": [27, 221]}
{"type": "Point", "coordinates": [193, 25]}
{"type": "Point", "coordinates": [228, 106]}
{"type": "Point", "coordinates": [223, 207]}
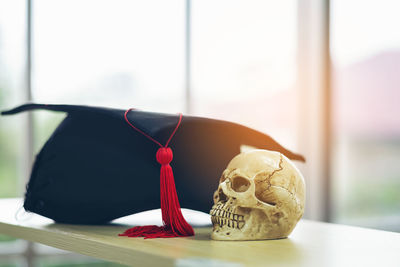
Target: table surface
{"type": "Point", "coordinates": [311, 244]}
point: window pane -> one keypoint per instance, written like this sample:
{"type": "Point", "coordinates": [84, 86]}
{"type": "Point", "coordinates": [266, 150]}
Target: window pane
{"type": "Point", "coordinates": [12, 52]}
{"type": "Point", "coordinates": [366, 61]}
{"type": "Point", "coordinates": [244, 64]}
{"type": "Point", "coordinates": [12, 60]}
{"type": "Point", "coordinates": [111, 53]}
{"type": "Point", "coordinates": [116, 53]}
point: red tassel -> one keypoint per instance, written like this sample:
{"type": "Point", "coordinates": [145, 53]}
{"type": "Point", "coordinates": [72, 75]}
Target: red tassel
{"type": "Point", "coordinates": [174, 223]}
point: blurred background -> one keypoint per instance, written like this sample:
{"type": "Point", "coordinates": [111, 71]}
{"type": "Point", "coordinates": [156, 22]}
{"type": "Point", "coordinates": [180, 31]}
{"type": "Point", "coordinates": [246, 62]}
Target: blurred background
{"type": "Point", "coordinates": [321, 77]}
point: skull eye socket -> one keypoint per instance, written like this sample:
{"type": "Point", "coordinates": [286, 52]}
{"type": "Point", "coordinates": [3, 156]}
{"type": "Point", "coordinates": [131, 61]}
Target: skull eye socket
{"type": "Point", "coordinates": [240, 184]}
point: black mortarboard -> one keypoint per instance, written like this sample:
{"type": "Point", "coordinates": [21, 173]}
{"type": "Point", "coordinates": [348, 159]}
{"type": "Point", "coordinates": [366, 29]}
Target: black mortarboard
{"type": "Point", "coordinates": [99, 163]}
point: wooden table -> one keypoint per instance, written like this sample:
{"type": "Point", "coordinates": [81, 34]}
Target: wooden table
{"type": "Point", "coordinates": [311, 244]}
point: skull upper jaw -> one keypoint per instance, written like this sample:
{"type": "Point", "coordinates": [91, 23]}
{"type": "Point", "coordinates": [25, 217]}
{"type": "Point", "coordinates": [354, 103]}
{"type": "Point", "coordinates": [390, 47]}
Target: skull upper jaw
{"type": "Point", "coordinates": [257, 226]}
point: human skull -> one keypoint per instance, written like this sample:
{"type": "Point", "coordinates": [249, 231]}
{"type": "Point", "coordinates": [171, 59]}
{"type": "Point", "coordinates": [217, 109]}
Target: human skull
{"type": "Point", "coordinates": [260, 196]}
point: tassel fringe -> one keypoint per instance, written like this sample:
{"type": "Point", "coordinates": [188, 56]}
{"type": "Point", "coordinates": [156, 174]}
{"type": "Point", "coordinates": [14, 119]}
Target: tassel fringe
{"type": "Point", "coordinates": [175, 224]}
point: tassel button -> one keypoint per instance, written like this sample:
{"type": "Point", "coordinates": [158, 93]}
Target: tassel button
{"type": "Point", "coordinates": [164, 155]}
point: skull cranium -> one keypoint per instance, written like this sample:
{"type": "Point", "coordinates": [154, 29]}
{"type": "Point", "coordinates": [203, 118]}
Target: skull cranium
{"type": "Point", "coordinates": [260, 196]}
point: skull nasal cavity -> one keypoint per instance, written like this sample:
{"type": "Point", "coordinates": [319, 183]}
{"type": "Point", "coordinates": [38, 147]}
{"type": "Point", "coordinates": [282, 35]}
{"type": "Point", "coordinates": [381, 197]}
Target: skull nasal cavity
{"type": "Point", "coordinates": [240, 184]}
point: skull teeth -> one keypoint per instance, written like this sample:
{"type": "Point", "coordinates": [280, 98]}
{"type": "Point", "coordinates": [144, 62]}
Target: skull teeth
{"type": "Point", "coordinates": [222, 215]}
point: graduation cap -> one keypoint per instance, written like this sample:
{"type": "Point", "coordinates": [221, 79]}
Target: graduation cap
{"type": "Point", "coordinates": [101, 164]}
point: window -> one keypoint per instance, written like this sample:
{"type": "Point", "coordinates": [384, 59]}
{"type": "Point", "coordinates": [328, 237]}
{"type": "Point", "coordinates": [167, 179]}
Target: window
{"type": "Point", "coordinates": [261, 63]}
{"type": "Point", "coordinates": [244, 64]}
{"type": "Point", "coordinates": [12, 139]}
{"type": "Point", "coordinates": [114, 53]}
{"type": "Point", "coordinates": [12, 54]}
{"type": "Point", "coordinates": [366, 64]}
